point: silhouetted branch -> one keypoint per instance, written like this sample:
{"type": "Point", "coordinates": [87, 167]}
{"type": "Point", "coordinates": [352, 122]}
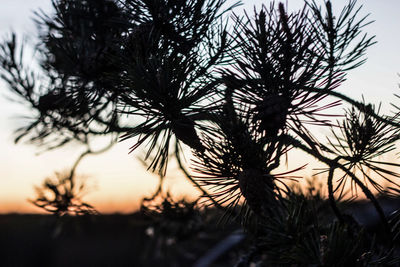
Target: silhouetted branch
{"type": "Point", "coordinates": [335, 165]}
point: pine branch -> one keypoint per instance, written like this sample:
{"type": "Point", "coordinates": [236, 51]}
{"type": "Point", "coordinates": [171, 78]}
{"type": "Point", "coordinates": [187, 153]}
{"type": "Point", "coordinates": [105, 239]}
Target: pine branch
{"type": "Point", "coordinates": [334, 164]}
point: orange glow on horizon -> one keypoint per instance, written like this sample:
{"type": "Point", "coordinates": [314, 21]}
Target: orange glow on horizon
{"type": "Point", "coordinates": [126, 206]}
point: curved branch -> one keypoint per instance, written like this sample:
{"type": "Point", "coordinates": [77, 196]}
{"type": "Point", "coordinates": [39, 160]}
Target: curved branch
{"type": "Point", "coordinates": [353, 102]}
{"type": "Point", "coordinates": [89, 151]}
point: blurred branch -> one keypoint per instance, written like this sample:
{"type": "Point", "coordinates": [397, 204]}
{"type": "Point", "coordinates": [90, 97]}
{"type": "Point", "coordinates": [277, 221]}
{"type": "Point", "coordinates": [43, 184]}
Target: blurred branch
{"type": "Point", "coordinates": [89, 151]}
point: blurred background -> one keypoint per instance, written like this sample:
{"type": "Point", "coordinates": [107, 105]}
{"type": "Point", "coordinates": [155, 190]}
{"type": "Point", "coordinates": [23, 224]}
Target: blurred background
{"type": "Point", "coordinates": [118, 180]}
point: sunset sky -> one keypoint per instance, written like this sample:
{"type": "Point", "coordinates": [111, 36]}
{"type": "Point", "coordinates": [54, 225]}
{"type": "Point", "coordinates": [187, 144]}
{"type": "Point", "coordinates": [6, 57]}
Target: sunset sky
{"type": "Point", "coordinates": [119, 180]}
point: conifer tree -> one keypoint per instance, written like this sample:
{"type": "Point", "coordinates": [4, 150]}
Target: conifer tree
{"type": "Point", "coordinates": [164, 75]}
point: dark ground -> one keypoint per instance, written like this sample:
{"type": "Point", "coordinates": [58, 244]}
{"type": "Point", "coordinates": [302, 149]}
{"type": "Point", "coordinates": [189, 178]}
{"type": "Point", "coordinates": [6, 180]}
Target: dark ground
{"type": "Point", "coordinates": [175, 239]}
{"type": "Point", "coordinates": [107, 240]}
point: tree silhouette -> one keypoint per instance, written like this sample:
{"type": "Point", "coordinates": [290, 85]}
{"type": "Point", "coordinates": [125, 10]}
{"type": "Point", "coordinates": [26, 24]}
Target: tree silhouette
{"type": "Point", "coordinates": [172, 74]}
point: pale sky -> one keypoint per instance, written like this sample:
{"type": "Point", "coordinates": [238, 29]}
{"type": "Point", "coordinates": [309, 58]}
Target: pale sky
{"type": "Point", "coordinates": [124, 181]}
